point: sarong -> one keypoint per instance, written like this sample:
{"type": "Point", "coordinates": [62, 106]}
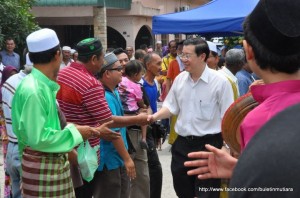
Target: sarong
{"type": "Point", "coordinates": [46, 175]}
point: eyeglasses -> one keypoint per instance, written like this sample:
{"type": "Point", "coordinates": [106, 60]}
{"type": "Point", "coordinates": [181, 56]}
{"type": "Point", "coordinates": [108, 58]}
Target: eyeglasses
{"type": "Point", "coordinates": [119, 69]}
{"type": "Point", "coordinates": [185, 56]}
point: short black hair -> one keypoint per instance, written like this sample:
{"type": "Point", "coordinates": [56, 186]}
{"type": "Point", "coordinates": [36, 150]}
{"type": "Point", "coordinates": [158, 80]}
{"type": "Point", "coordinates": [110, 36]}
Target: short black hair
{"type": "Point", "coordinates": [266, 59]}
{"type": "Point", "coordinates": [172, 41]}
{"type": "Point", "coordinates": [119, 51]}
{"type": "Point", "coordinates": [143, 46]}
{"type": "Point", "coordinates": [133, 67]}
{"type": "Point", "coordinates": [9, 38]}
{"type": "Point", "coordinates": [45, 56]}
{"type": "Point", "coordinates": [179, 43]}
{"type": "Point", "coordinates": [201, 46]}
{"type": "Point", "coordinates": [139, 54]}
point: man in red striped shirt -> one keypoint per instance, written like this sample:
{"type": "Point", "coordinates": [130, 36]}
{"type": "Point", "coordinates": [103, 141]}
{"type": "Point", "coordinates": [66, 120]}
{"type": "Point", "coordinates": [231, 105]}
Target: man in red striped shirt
{"type": "Point", "coordinates": [81, 97]}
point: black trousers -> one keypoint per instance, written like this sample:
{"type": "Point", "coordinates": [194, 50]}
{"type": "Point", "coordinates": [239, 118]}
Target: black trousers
{"type": "Point", "coordinates": [155, 170]}
{"type": "Point", "coordinates": [190, 186]}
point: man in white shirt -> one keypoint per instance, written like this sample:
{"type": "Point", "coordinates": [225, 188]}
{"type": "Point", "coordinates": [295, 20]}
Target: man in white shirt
{"type": "Point", "coordinates": [12, 157]}
{"type": "Point", "coordinates": [234, 62]}
{"type": "Point", "coordinates": [66, 60]}
{"type": "Point", "coordinates": [199, 96]}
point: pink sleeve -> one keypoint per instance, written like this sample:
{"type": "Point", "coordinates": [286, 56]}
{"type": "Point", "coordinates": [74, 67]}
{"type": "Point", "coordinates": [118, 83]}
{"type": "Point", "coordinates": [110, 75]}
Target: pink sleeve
{"type": "Point", "coordinates": [137, 91]}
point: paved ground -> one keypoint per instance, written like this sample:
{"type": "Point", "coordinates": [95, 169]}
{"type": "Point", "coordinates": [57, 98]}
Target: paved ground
{"type": "Point", "coordinates": [165, 159]}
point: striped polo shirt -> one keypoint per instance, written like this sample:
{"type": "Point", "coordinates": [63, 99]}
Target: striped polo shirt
{"type": "Point", "coordinates": [8, 91]}
{"type": "Point", "coordinates": [81, 98]}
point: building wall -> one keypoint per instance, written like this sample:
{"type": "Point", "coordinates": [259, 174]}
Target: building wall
{"type": "Point", "coordinates": [126, 22]}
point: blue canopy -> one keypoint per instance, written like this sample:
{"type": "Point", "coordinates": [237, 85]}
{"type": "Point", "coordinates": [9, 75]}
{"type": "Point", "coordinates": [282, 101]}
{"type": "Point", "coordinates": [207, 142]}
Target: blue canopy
{"type": "Point", "coordinates": [216, 18]}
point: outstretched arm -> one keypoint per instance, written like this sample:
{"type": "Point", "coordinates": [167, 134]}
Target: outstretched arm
{"type": "Point", "coordinates": [214, 163]}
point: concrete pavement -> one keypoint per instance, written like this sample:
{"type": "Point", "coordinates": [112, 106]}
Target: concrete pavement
{"type": "Point", "coordinates": [164, 157]}
{"type": "Point", "coordinates": [165, 160]}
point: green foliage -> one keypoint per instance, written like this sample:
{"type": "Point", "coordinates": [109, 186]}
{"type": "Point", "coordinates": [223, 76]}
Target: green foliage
{"type": "Point", "coordinates": [231, 42]}
{"type": "Point", "coordinates": [16, 21]}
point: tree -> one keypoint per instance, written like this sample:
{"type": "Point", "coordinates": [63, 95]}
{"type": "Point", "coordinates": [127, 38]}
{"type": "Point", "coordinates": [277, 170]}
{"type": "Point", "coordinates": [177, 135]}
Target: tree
{"type": "Point", "coordinates": [16, 21]}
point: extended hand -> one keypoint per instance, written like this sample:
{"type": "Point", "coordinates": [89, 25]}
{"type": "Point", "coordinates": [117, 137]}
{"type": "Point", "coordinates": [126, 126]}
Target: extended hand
{"type": "Point", "coordinates": [142, 119]}
{"type": "Point", "coordinates": [214, 164]}
{"type": "Point", "coordinates": [105, 133]}
{"type": "Point", "coordinates": [150, 118]}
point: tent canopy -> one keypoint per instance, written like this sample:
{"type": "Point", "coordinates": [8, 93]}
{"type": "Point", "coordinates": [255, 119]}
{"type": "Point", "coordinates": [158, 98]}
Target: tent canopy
{"type": "Point", "coordinates": [216, 18]}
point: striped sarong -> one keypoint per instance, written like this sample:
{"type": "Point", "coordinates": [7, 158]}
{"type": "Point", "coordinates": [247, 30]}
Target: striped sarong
{"type": "Point", "coordinates": [46, 175]}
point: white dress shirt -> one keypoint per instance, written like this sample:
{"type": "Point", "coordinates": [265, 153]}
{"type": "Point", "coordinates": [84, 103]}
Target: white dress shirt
{"type": "Point", "coordinates": [200, 105]}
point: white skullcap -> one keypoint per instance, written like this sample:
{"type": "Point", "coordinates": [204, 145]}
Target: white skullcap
{"type": "Point", "coordinates": [42, 40]}
{"type": "Point", "coordinates": [158, 42]}
{"type": "Point", "coordinates": [28, 62]}
{"type": "Point", "coordinates": [212, 46]}
{"type": "Point", "coordinates": [73, 51]}
{"type": "Point", "coordinates": [66, 48]}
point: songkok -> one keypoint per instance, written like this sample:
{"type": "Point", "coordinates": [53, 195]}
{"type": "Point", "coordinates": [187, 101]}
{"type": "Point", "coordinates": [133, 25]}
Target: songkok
{"type": "Point", "coordinates": [276, 25]}
{"type": "Point", "coordinates": [89, 46]}
{"type": "Point", "coordinates": [212, 46]}
{"type": "Point", "coordinates": [66, 48]}
{"type": "Point", "coordinates": [42, 40]}
{"type": "Point", "coordinates": [158, 42]}
{"type": "Point", "coordinates": [109, 59]}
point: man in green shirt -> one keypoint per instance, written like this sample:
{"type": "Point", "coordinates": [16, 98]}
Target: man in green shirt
{"type": "Point", "coordinates": [43, 144]}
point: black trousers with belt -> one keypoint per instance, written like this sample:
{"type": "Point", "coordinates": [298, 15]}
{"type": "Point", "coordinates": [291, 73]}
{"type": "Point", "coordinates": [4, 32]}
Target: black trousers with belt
{"type": "Point", "coordinates": [190, 186]}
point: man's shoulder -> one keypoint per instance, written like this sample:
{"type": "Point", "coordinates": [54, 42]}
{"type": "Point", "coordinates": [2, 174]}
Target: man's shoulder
{"type": "Point", "coordinates": [15, 80]}
{"type": "Point", "coordinates": [73, 75]}
{"type": "Point", "coordinates": [27, 86]}
{"type": "Point", "coordinates": [16, 55]}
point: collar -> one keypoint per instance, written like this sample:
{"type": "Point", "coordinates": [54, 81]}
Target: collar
{"type": "Point", "coordinates": [204, 76]}
{"type": "Point", "coordinates": [171, 56]}
{"type": "Point", "coordinates": [12, 54]}
{"type": "Point", "coordinates": [246, 72]}
{"type": "Point", "coordinates": [40, 76]}
{"type": "Point", "coordinates": [262, 92]}
{"type": "Point", "coordinates": [229, 73]}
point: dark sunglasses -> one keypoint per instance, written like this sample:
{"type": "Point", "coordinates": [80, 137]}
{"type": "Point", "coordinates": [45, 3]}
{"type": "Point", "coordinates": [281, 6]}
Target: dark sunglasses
{"type": "Point", "coordinates": [119, 69]}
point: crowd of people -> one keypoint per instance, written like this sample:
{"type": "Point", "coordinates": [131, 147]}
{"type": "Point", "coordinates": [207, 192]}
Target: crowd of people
{"type": "Point", "coordinates": [64, 97]}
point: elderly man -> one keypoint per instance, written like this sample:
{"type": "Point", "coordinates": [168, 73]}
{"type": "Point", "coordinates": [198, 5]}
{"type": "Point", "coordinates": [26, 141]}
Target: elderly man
{"type": "Point", "coordinates": [42, 141]}
{"type": "Point", "coordinates": [130, 52]}
{"type": "Point", "coordinates": [234, 62]}
{"type": "Point", "coordinates": [158, 48]}
{"type": "Point", "coordinates": [66, 60]}
{"type": "Point", "coordinates": [9, 57]}
{"type": "Point", "coordinates": [152, 63]}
